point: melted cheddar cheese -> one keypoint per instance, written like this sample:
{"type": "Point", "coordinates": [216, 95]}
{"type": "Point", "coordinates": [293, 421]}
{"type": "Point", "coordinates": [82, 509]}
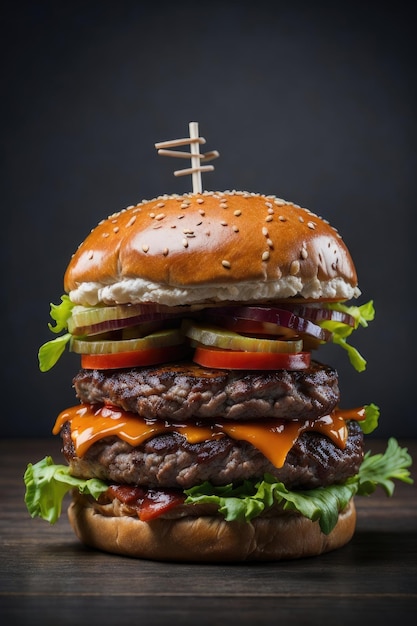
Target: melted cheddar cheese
{"type": "Point", "coordinates": [274, 438]}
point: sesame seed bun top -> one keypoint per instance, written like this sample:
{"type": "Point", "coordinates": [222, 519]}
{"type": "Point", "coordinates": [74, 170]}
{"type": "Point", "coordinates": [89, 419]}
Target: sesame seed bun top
{"type": "Point", "coordinates": [211, 247]}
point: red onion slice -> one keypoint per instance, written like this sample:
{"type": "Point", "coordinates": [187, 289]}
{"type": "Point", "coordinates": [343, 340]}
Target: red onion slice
{"type": "Point", "coordinates": [274, 315]}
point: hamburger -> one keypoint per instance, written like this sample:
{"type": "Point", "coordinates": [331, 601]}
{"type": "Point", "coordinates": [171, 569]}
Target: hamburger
{"type": "Point", "coordinates": [206, 427]}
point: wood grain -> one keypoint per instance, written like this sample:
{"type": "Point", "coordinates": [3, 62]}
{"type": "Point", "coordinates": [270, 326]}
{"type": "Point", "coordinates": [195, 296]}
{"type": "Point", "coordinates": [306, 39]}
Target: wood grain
{"type": "Point", "coordinates": [48, 577]}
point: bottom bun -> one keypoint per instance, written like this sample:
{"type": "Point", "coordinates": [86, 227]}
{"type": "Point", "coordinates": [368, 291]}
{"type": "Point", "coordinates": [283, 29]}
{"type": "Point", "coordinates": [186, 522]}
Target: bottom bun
{"type": "Point", "coordinates": [208, 538]}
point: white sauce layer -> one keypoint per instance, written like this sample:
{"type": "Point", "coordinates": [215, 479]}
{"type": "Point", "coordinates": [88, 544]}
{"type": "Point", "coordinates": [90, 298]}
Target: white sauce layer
{"type": "Point", "coordinates": [136, 290]}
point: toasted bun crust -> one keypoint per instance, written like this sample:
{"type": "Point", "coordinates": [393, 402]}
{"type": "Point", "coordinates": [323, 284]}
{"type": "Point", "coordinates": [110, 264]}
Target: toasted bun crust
{"type": "Point", "coordinates": [210, 247]}
{"type": "Point", "coordinates": [208, 539]}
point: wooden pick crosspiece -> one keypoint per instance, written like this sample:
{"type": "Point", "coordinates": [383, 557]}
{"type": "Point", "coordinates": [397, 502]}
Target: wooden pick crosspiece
{"type": "Point", "coordinates": [196, 157]}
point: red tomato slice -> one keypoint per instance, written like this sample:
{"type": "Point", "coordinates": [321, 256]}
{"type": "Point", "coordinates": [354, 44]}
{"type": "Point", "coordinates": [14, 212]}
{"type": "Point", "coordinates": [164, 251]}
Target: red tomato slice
{"type": "Point", "coordinates": [157, 502]}
{"type": "Point", "coordinates": [149, 503]}
{"type": "Point", "coordinates": [118, 360]}
{"type": "Point", "coordinates": [129, 494]}
{"type": "Point", "coordinates": [230, 359]}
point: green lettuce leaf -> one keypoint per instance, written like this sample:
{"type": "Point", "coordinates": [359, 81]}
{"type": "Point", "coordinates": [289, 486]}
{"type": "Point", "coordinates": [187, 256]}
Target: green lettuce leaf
{"type": "Point", "coordinates": [322, 504]}
{"type": "Point", "coordinates": [370, 423]}
{"type": "Point", "coordinates": [340, 331]}
{"type": "Point", "coordinates": [47, 484]}
{"type": "Point", "coordinates": [382, 469]}
{"type": "Point", "coordinates": [51, 351]}
{"type": "Point", "coordinates": [60, 314]}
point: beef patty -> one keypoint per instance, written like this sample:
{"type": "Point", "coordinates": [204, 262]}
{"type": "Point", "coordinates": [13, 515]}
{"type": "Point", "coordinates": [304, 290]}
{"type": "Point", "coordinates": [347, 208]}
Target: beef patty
{"type": "Point", "coordinates": [186, 391]}
{"type": "Point", "coordinates": [169, 461]}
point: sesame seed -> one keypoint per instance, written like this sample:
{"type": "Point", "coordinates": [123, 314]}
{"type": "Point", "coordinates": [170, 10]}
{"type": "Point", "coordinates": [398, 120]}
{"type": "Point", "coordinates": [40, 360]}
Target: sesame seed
{"type": "Point", "coordinates": [165, 251]}
{"type": "Point", "coordinates": [265, 255]}
{"type": "Point", "coordinates": [180, 217]}
{"type": "Point", "coordinates": [269, 242]}
{"type": "Point", "coordinates": [200, 200]}
{"type": "Point", "coordinates": [156, 226]}
{"type": "Point", "coordinates": [269, 218]}
{"type": "Point", "coordinates": [160, 205]}
{"type": "Point", "coordinates": [268, 205]}
{"type": "Point", "coordinates": [116, 229]}
{"type": "Point", "coordinates": [279, 201]}
{"type": "Point", "coordinates": [223, 205]}
{"type": "Point", "coordinates": [237, 212]}
{"type": "Point", "coordinates": [187, 231]}
{"type": "Point", "coordinates": [185, 243]}
{"type": "Point", "coordinates": [282, 218]}
{"type": "Point", "coordinates": [90, 255]}
{"type": "Point", "coordinates": [271, 211]}
{"type": "Point", "coordinates": [145, 248]}
{"type": "Point", "coordinates": [303, 253]}
{"type": "Point", "coordinates": [131, 221]}
{"type": "Point", "coordinates": [223, 223]}
{"type": "Point", "coordinates": [185, 205]}
{"type": "Point", "coordinates": [294, 268]}
{"type": "Point", "coordinates": [226, 264]}
{"type": "Point", "coordinates": [152, 215]}
{"type": "Point", "coordinates": [235, 228]}
{"type": "Point", "coordinates": [106, 235]}
{"type": "Point", "coordinates": [202, 212]}
{"type": "Point", "coordinates": [311, 225]}
{"type": "Point", "coordinates": [265, 231]}
{"type": "Point", "coordinates": [160, 216]}
{"type": "Point", "coordinates": [301, 219]}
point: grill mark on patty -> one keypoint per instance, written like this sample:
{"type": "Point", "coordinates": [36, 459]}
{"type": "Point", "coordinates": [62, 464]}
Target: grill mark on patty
{"type": "Point", "coordinates": [169, 461]}
{"type": "Point", "coordinates": [187, 391]}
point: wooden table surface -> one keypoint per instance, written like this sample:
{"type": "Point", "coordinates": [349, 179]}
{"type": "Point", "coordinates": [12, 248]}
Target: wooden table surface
{"type": "Point", "coordinates": [48, 577]}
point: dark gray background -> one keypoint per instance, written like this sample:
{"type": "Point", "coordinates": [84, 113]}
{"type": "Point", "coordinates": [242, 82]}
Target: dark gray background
{"type": "Point", "coordinates": [311, 101]}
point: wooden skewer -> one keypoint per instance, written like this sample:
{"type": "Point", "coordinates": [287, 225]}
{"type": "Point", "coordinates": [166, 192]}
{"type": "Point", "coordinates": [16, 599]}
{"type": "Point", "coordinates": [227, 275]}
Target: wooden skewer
{"type": "Point", "coordinates": [173, 143]}
{"type": "Point", "coordinates": [195, 161]}
{"type": "Point", "coordinates": [177, 153]}
{"type": "Point", "coordinates": [194, 141]}
{"type": "Point", "coordinates": [194, 170]}
{"type": "Point", "coordinates": [207, 156]}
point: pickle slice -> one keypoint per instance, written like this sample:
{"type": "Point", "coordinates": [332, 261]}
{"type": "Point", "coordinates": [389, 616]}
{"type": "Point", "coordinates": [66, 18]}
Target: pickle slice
{"type": "Point", "coordinates": [95, 320]}
{"type": "Point", "coordinates": [160, 339]}
{"type": "Point", "coordinates": [229, 340]}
